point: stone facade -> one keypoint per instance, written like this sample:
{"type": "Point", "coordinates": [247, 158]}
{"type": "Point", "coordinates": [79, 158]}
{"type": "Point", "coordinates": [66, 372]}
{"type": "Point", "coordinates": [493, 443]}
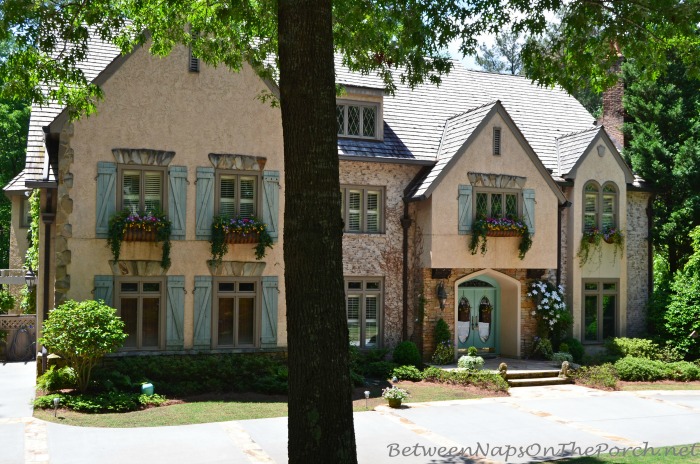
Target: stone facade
{"type": "Point", "coordinates": [64, 209]}
{"type": "Point", "coordinates": [637, 249]}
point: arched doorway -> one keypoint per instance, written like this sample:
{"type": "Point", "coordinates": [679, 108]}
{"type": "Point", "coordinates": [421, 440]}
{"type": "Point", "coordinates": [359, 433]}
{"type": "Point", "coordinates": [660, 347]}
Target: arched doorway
{"type": "Point", "coordinates": [478, 314]}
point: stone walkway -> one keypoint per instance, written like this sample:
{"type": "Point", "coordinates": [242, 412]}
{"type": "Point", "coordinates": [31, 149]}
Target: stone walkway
{"type": "Point", "coordinates": [533, 424]}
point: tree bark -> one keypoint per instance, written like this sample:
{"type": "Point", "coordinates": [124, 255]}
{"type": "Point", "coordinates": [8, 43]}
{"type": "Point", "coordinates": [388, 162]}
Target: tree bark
{"type": "Point", "coordinates": [320, 391]}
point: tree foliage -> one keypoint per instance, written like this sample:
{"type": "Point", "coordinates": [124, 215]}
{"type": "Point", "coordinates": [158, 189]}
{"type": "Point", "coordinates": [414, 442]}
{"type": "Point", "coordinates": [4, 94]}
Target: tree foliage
{"type": "Point", "coordinates": [504, 57]}
{"type": "Point", "coordinates": [82, 333]}
{"type": "Point", "coordinates": [664, 149]}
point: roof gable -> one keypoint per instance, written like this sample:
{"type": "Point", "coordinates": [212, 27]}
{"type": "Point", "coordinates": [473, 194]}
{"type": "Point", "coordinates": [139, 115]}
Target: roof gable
{"type": "Point", "coordinates": [574, 147]}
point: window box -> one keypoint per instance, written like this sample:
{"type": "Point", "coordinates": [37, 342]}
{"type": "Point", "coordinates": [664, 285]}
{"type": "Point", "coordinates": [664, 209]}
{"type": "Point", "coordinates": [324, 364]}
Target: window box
{"type": "Point", "coordinates": [127, 226]}
{"type": "Point", "coordinates": [226, 230]}
{"type": "Point", "coordinates": [241, 237]}
{"type": "Point", "coordinates": [504, 233]}
{"type": "Point", "coordinates": [499, 227]}
{"type": "Point", "coordinates": [132, 234]}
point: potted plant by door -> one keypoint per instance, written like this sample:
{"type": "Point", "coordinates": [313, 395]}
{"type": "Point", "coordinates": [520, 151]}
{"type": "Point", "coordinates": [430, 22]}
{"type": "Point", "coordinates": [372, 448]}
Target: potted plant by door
{"type": "Point", "coordinates": [394, 396]}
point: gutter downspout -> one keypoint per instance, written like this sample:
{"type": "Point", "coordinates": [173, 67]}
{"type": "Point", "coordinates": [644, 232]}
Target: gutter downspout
{"type": "Point", "coordinates": [405, 225]}
{"type": "Point", "coordinates": [566, 204]}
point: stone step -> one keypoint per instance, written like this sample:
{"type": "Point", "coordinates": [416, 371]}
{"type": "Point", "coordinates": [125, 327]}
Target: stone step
{"type": "Point", "coordinates": [532, 374]}
{"type": "Point", "coordinates": [538, 382]}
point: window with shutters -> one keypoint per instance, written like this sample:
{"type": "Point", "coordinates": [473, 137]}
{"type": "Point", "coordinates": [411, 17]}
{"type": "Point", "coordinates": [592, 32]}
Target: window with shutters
{"type": "Point", "coordinates": [236, 315]}
{"type": "Point", "coordinates": [142, 189]}
{"type": "Point", "coordinates": [490, 203]}
{"type": "Point", "coordinates": [600, 206]}
{"type": "Point", "coordinates": [141, 305]}
{"type": "Point", "coordinates": [363, 304]}
{"type": "Point", "coordinates": [362, 209]}
{"type": "Point", "coordinates": [600, 308]}
{"type": "Point", "coordinates": [237, 194]}
{"type": "Point", "coordinates": [357, 120]}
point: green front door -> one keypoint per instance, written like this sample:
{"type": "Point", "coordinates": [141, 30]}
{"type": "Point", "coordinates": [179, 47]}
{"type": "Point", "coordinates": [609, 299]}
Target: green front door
{"type": "Point", "coordinates": [477, 316]}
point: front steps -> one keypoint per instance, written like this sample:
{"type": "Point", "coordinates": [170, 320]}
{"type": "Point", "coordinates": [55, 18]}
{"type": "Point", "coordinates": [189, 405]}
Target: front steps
{"type": "Point", "coordinates": [535, 378]}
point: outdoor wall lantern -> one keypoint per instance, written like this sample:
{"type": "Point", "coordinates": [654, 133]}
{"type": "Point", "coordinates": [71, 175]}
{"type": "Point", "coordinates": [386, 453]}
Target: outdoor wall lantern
{"type": "Point", "coordinates": [30, 278]}
{"type": "Point", "coordinates": [442, 295]}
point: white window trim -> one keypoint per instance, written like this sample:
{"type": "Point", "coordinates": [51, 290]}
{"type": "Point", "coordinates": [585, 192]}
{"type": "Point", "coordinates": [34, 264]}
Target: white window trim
{"type": "Point", "coordinates": [161, 317]}
{"type": "Point", "coordinates": [345, 208]}
{"type": "Point", "coordinates": [216, 294]}
{"type": "Point", "coordinates": [362, 310]}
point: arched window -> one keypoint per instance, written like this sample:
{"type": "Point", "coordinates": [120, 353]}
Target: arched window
{"type": "Point", "coordinates": [599, 206]}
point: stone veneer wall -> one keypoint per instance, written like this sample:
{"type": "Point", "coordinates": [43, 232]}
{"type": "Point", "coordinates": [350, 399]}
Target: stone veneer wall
{"type": "Point", "coordinates": [637, 243]}
{"type": "Point", "coordinates": [64, 208]}
{"type": "Point", "coordinates": [528, 324]}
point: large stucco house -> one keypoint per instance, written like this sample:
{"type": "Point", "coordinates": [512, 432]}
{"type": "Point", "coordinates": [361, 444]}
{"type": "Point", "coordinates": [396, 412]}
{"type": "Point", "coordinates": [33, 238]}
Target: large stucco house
{"type": "Point", "coordinates": [416, 170]}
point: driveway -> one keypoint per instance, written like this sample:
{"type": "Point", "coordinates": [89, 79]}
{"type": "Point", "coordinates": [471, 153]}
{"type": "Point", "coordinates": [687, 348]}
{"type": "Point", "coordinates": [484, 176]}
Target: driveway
{"type": "Point", "coordinates": [533, 424]}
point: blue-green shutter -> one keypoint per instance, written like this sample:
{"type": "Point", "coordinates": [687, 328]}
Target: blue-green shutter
{"type": "Point", "coordinates": [202, 312]}
{"type": "Point", "coordinates": [271, 190]}
{"type": "Point", "coordinates": [270, 297]}
{"type": "Point", "coordinates": [106, 203]}
{"type": "Point", "coordinates": [205, 202]}
{"type": "Point", "coordinates": [177, 201]}
{"type": "Point", "coordinates": [175, 320]}
{"type": "Point", "coordinates": [465, 216]}
{"type": "Point", "coordinates": [104, 289]}
{"type": "Point", "coordinates": [529, 209]}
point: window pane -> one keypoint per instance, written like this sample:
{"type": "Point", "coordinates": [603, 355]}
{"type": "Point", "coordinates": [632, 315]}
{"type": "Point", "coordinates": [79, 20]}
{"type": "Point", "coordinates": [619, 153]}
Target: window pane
{"type": "Point", "coordinates": [151, 310]}
{"type": "Point", "coordinates": [153, 191]}
{"type": "Point", "coordinates": [372, 285]}
{"type": "Point", "coordinates": [481, 205]}
{"type": "Point", "coordinates": [590, 318]}
{"type": "Point", "coordinates": [227, 196]}
{"type": "Point", "coordinates": [128, 314]}
{"type": "Point", "coordinates": [225, 324]}
{"type": "Point", "coordinates": [246, 321]}
{"type": "Point", "coordinates": [340, 116]}
{"type": "Point", "coordinates": [591, 203]}
{"type": "Point", "coordinates": [26, 218]}
{"type": "Point", "coordinates": [247, 197]}
{"type": "Point", "coordinates": [131, 190]}
{"type": "Point", "coordinates": [591, 286]}
{"type": "Point", "coordinates": [373, 211]}
{"type": "Point", "coordinates": [511, 205]}
{"type": "Point", "coordinates": [151, 287]}
{"type": "Point", "coordinates": [496, 205]}
{"type": "Point", "coordinates": [353, 120]}
{"type": "Point", "coordinates": [355, 285]}
{"type": "Point", "coordinates": [129, 287]}
{"type": "Point", "coordinates": [610, 286]}
{"type": "Point", "coordinates": [609, 315]}
{"type": "Point", "coordinates": [354, 210]}
{"type": "Point", "coordinates": [369, 117]}
{"type": "Point", "coordinates": [371, 305]}
{"type": "Point", "coordinates": [246, 287]}
{"type": "Point", "coordinates": [591, 188]}
{"type": "Point", "coordinates": [589, 222]}
{"type": "Point", "coordinates": [354, 319]}
{"type": "Point", "coordinates": [227, 287]}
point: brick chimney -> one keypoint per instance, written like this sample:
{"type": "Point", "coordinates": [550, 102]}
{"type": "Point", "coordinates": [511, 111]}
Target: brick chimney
{"type": "Point", "coordinates": [613, 111]}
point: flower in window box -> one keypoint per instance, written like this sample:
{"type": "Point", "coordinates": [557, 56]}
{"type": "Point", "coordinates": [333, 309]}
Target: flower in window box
{"type": "Point", "coordinates": [226, 230]}
{"type": "Point", "coordinates": [139, 227]}
{"type": "Point", "coordinates": [499, 227]}
{"type": "Point", "coordinates": [615, 237]}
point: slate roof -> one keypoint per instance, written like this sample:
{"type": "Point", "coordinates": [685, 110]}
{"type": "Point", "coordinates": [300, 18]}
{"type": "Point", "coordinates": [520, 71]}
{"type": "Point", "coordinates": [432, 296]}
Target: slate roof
{"type": "Point", "coordinates": [572, 146]}
{"type": "Point", "coordinates": [100, 55]}
{"type": "Point", "coordinates": [16, 184]}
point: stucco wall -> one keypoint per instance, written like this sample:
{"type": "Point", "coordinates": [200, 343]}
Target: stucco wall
{"type": "Point", "coordinates": [637, 242]}
{"type": "Point", "coordinates": [445, 248]}
{"type": "Point", "coordinates": [380, 254]}
{"type": "Point", "coordinates": [156, 103]}
{"type": "Point", "coordinates": [603, 263]}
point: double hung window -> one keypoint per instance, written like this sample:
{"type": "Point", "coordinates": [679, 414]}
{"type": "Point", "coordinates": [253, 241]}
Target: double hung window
{"type": "Point", "coordinates": [363, 298]}
{"type": "Point", "coordinates": [142, 189]}
{"type": "Point", "coordinates": [142, 308]}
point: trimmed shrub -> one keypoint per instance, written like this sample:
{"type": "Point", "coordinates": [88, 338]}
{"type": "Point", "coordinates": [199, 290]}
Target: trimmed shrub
{"type": "Point", "coordinates": [641, 369]}
{"type": "Point", "coordinates": [380, 369]}
{"type": "Point", "coordinates": [559, 357]}
{"type": "Point", "coordinates": [472, 363]}
{"type": "Point", "coordinates": [408, 373]}
{"type": "Point", "coordinates": [406, 354]}
{"type": "Point", "coordinates": [442, 331]}
{"type": "Point", "coordinates": [683, 371]}
{"type": "Point", "coordinates": [604, 376]}
{"type": "Point", "coordinates": [542, 348]}
{"type": "Point", "coordinates": [56, 379]}
{"type": "Point", "coordinates": [635, 347]}
{"type": "Point", "coordinates": [444, 354]}
{"type": "Point", "coordinates": [575, 347]}
{"type": "Point", "coordinates": [482, 379]}
{"type": "Point", "coordinates": [433, 374]}
{"type": "Point", "coordinates": [100, 403]}
{"type": "Point", "coordinates": [7, 301]}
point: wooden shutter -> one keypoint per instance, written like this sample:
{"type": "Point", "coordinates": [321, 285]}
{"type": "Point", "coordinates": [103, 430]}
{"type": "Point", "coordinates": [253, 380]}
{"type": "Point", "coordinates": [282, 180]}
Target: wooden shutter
{"type": "Point", "coordinates": [270, 297]}
{"type": "Point", "coordinates": [106, 203]}
{"type": "Point", "coordinates": [270, 216]}
{"type": "Point", "coordinates": [202, 312]}
{"type": "Point", "coordinates": [529, 209]}
{"type": "Point", "coordinates": [465, 209]}
{"type": "Point", "coordinates": [205, 202]}
{"type": "Point", "coordinates": [104, 289]}
{"type": "Point", "coordinates": [175, 320]}
{"type": "Point", "coordinates": [177, 201]}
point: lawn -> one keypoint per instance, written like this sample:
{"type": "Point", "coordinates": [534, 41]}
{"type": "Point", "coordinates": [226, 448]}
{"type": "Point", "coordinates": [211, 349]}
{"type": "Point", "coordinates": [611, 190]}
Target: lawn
{"type": "Point", "coordinates": [661, 385]}
{"type": "Point", "coordinates": [241, 406]}
{"type": "Point", "coordinates": [668, 454]}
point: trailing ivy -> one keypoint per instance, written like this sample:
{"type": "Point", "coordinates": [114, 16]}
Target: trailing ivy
{"type": "Point", "coordinates": [222, 226]}
{"type": "Point", "coordinates": [31, 258]}
{"type": "Point", "coordinates": [125, 220]}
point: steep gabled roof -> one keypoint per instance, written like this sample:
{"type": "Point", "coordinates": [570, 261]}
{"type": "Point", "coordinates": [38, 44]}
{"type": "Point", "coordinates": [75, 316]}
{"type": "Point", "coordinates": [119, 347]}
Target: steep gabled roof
{"type": "Point", "coordinates": [16, 185]}
{"type": "Point", "coordinates": [572, 146]}
{"type": "Point", "coordinates": [577, 142]}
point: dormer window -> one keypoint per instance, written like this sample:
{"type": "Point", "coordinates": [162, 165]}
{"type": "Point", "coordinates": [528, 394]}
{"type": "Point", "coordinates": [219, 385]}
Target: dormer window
{"type": "Point", "coordinates": [357, 120]}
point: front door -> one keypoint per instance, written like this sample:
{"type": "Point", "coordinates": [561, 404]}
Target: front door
{"type": "Point", "coordinates": [477, 316]}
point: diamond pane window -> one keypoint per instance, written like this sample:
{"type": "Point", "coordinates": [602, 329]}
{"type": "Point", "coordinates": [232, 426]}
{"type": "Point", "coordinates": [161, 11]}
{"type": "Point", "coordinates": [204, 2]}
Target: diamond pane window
{"type": "Point", "coordinates": [353, 120]}
{"type": "Point", "coordinates": [340, 117]}
{"type": "Point", "coordinates": [511, 205]}
{"type": "Point", "coordinates": [369, 116]}
{"type": "Point", "coordinates": [482, 204]}
{"type": "Point", "coordinates": [357, 120]}
{"type": "Point", "coordinates": [496, 205]}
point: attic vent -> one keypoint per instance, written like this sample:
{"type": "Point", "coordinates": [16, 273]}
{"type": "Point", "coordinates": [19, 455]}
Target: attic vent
{"type": "Point", "coordinates": [496, 140]}
{"type": "Point", "coordinates": [193, 64]}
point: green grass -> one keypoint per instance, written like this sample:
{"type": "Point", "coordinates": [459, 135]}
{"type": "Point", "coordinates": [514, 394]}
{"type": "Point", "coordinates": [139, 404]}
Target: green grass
{"type": "Point", "coordinates": [689, 454]}
{"type": "Point", "coordinates": [246, 406]}
{"type": "Point", "coordinates": [637, 386]}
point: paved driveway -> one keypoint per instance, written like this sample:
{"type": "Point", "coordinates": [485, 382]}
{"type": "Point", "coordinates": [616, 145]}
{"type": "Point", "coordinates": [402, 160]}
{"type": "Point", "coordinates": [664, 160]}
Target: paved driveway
{"type": "Point", "coordinates": [533, 424]}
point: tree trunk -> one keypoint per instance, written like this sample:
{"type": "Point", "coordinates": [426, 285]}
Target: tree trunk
{"type": "Point", "coordinates": [320, 392]}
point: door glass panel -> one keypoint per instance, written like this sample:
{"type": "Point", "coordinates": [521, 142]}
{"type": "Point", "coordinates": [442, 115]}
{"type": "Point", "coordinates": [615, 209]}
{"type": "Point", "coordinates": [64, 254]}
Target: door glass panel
{"type": "Point", "coordinates": [225, 325]}
{"type": "Point", "coordinates": [608, 316]}
{"type": "Point", "coordinates": [485, 311]}
{"type": "Point", "coordinates": [590, 320]}
{"type": "Point", "coordinates": [246, 321]}
{"type": "Point", "coordinates": [151, 310]}
{"type": "Point", "coordinates": [464, 313]}
{"type": "Point", "coordinates": [128, 314]}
